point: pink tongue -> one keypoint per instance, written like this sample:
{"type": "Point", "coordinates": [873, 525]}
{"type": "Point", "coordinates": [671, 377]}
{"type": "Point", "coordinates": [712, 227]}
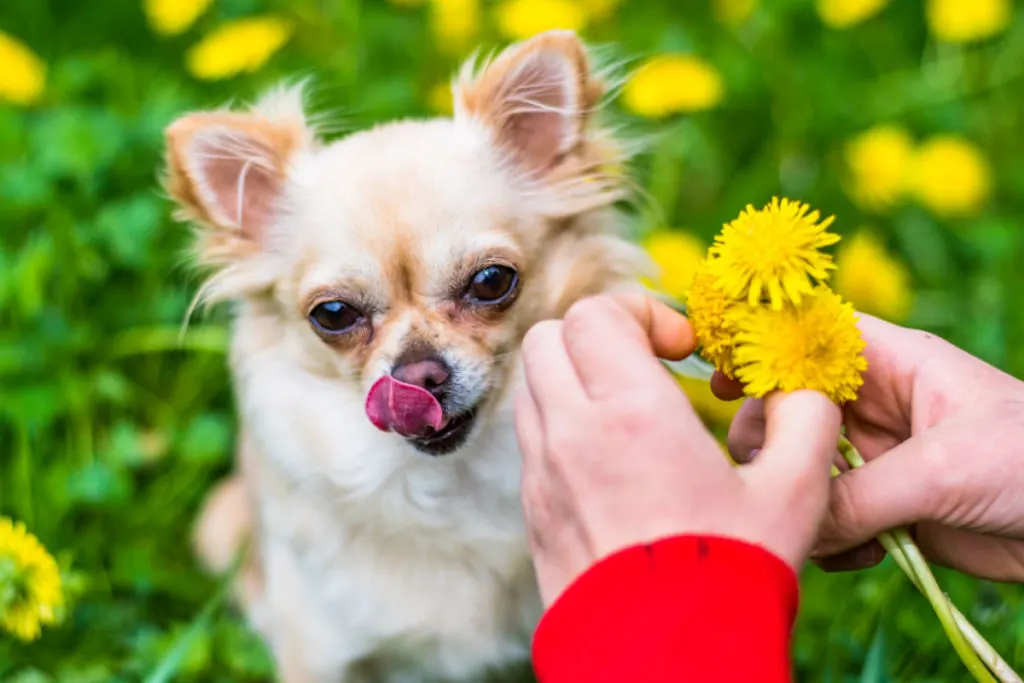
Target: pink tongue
{"type": "Point", "coordinates": [404, 408]}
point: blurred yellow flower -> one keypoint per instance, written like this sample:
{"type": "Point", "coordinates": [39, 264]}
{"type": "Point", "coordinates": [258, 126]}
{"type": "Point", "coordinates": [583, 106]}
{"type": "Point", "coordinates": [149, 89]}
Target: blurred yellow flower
{"type": "Point", "coordinates": [520, 19]}
{"type": "Point", "coordinates": [707, 405]}
{"type": "Point", "coordinates": [173, 17]}
{"type": "Point", "coordinates": [878, 160]}
{"type": "Point", "coordinates": [439, 98]}
{"type": "Point", "coordinates": [240, 46]}
{"type": "Point", "coordinates": [950, 176]}
{"type": "Point", "coordinates": [671, 84]}
{"type": "Point", "coordinates": [847, 13]}
{"type": "Point", "coordinates": [23, 76]}
{"type": "Point", "coordinates": [454, 22]}
{"type": "Point", "coordinates": [872, 279]}
{"type": "Point", "coordinates": [678, 256]}
{"type": "Point", "coordinates": [30, 587]}
{"type": "Point", "coordinates": [963, 21]}
{"type": "Point", "coordinates": [733, 12]}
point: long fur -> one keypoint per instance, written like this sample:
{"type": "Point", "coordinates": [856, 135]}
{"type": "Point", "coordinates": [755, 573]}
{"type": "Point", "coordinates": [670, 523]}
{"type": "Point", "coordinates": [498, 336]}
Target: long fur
{"type": "Point", "coordinates": [368, 560]}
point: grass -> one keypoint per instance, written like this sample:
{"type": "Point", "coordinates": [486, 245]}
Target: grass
{"type": "Point", "coordinates": [111, 431]}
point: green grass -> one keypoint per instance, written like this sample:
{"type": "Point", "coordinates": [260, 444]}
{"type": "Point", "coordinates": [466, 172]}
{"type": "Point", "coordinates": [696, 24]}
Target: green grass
{"type": "Point", "coordinates": [111, 431]}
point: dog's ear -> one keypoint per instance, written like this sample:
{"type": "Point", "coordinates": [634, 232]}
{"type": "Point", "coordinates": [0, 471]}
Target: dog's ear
{"type": "Point", "coordinates": [227, 170]}
{"type": "Point", "coordinates": [534, 99]}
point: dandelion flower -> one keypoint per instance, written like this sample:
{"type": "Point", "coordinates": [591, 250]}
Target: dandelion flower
{"type": "Point", "coordinates": [521, 19]}
{"type": "Point", "coordinates": [173, 17]}
{"type": "Point", "coordinates": [965, 21]}
{"type": "Point", "coordinates": [677, 255]}
{"type": "Point", "coordinates": [673, 84]}
{"type": "Point", "coordinates": [240, 46]}
{"type": "Point", "coordinates": [871, 279]}
{"type": "Point", "coordinates": [30, 586]}
{"type": "Point", "coordinates": [733, 12]}
{"type": "Point", "coordinates": [454, 22]}
{"type": "Point", "coordinates": [950, 177]}
{"type": "Point", "coordinates": [878, 161]}
{"type": "Point", "coordinates": [813, 345]}
{"type": "Point", "coordinates": [774, 251]}
{"type": "Point", "coordinates": [841, 14]}
{"type": "Point", "coordinates": [23, 76]}
{"type": "Point", "coordinates": [709, 312]}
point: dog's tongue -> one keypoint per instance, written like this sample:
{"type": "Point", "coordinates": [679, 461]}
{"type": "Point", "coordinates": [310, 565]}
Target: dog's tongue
{"type": "Point", "coordinates": [404, 408]}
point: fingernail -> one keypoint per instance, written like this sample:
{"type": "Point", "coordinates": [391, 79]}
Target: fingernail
{"type": "Point", "coordinates": [753, 454]}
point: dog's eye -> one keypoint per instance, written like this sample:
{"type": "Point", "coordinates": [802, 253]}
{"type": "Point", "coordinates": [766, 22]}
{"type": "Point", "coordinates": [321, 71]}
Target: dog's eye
{"type": "Point", "coordinates": [492, 285]}
{"type": "Point", "coordinates": [335, 316]}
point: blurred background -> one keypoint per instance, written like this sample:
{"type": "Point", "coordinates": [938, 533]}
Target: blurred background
{"type": "Point", "coordinates": [903, 118]}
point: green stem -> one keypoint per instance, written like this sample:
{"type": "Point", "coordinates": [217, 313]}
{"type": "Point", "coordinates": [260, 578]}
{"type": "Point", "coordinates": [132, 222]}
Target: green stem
{"type": "Point", "coordinates": [905, 553]}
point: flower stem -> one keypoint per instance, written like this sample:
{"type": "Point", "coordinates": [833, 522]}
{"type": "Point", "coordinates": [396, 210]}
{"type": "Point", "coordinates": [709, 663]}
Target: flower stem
{"type": "Point", "coordinates": [975, 652]}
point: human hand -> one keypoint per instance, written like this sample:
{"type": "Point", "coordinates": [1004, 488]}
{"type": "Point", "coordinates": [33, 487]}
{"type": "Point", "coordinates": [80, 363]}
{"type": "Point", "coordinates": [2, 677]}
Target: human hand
{"type": "Point", "coordinates": [951, 430]}
{"type": "Point", "coordinates": [614, 455]}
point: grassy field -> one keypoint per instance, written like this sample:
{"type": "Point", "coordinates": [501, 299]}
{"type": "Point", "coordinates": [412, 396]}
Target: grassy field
{"type": "Point", "coordinates": [902, 118]}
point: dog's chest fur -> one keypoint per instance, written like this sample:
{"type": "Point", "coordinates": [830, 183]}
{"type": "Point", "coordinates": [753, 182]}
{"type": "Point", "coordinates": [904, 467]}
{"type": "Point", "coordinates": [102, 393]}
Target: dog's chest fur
{"type": "Point", "coordinates": [366, 543]}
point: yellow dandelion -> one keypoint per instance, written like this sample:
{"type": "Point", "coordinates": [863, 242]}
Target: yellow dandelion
{"type": "Point", "coordinates": [871, 279]}
{"type": "Point", "coordinates": [673, 84]}
{"type": "Point", "coordinates": [240, 46]}
{"type": "Point", "coordinates": [23, 76]}
{"type": "Point", "coordinates": [521, 19]}
{"type": "Point", "coordinates": [878, 162]}
{"type": "Point", "coordinates": [454, 23]}
{"type": "Point", "coordinates": [733, 12]}
{"type": "Point", "coordinates": [846, 13]}
{"type": "Point", "coordinates": [30, 586]}
{"type": "Point", "coordinates": [173, 17]}
{"type": "Point", "coordinates": [965, 21]}
{"type": "Point", "coordinates": [708, 406]}
{"type": "Point", "coordinates": [773, 252]}
{"type": "Point", "coordinates": [950, 176]}
{"type": "Point", "coordinates": [709, 311]}
{"type": "Point", "coordinates": [814, 345]}
{"type": "Point", "coordinates": [677, 256]}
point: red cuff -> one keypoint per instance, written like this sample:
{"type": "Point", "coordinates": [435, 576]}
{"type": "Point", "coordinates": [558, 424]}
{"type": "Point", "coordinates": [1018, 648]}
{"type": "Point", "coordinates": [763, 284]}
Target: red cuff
{"type": "Point", "coordinates": [688, 608]}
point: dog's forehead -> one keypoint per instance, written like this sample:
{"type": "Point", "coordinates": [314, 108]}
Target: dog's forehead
{"type": "Point", "coordinates": [424, 194]}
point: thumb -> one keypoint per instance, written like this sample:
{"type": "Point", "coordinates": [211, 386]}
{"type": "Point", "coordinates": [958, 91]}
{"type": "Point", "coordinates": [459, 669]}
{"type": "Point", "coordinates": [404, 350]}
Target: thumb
{"type": "Point", "coordinates": [801, 432]}
{"type": "Point", "coordinates": [669, 332]}
{"type": "Point", "coordinates": [888, 492]}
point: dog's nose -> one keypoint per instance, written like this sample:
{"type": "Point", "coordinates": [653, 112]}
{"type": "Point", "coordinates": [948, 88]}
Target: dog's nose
{"type": "Point", "coordinates": [429, 373]}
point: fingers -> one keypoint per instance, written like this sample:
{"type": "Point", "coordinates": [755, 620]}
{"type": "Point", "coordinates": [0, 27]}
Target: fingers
{"type": "Point", "coordinates": [613, 348]}
{"type": "Point", "coordinates": [862, 557]}
{"type": "Point", "coordinates": [670, 334]}
{"type": "Point", "coordinates": [550, 376]}
{"type": "Point", "coordinates": [529, 428]}
{"type": "Point", "coordinates": [800, 437]}
{"type": "Point", "coordinates": [746, 433]}
{"type": "Point", "coordinates": [886, 493]}
{"type": "Point", "coordinates": [726, 388]}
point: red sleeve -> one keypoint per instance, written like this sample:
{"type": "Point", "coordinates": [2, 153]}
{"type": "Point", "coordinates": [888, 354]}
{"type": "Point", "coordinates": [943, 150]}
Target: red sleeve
{"type": "Point", "coordinates": [688, 608]}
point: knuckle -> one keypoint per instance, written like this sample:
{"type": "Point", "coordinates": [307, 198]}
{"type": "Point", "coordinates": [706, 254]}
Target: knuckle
{"type": "Point", "coordinates": [842, 518]}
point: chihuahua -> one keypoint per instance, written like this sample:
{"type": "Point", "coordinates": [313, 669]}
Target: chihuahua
{"type": "Point", "coordinates": [382, 284]}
